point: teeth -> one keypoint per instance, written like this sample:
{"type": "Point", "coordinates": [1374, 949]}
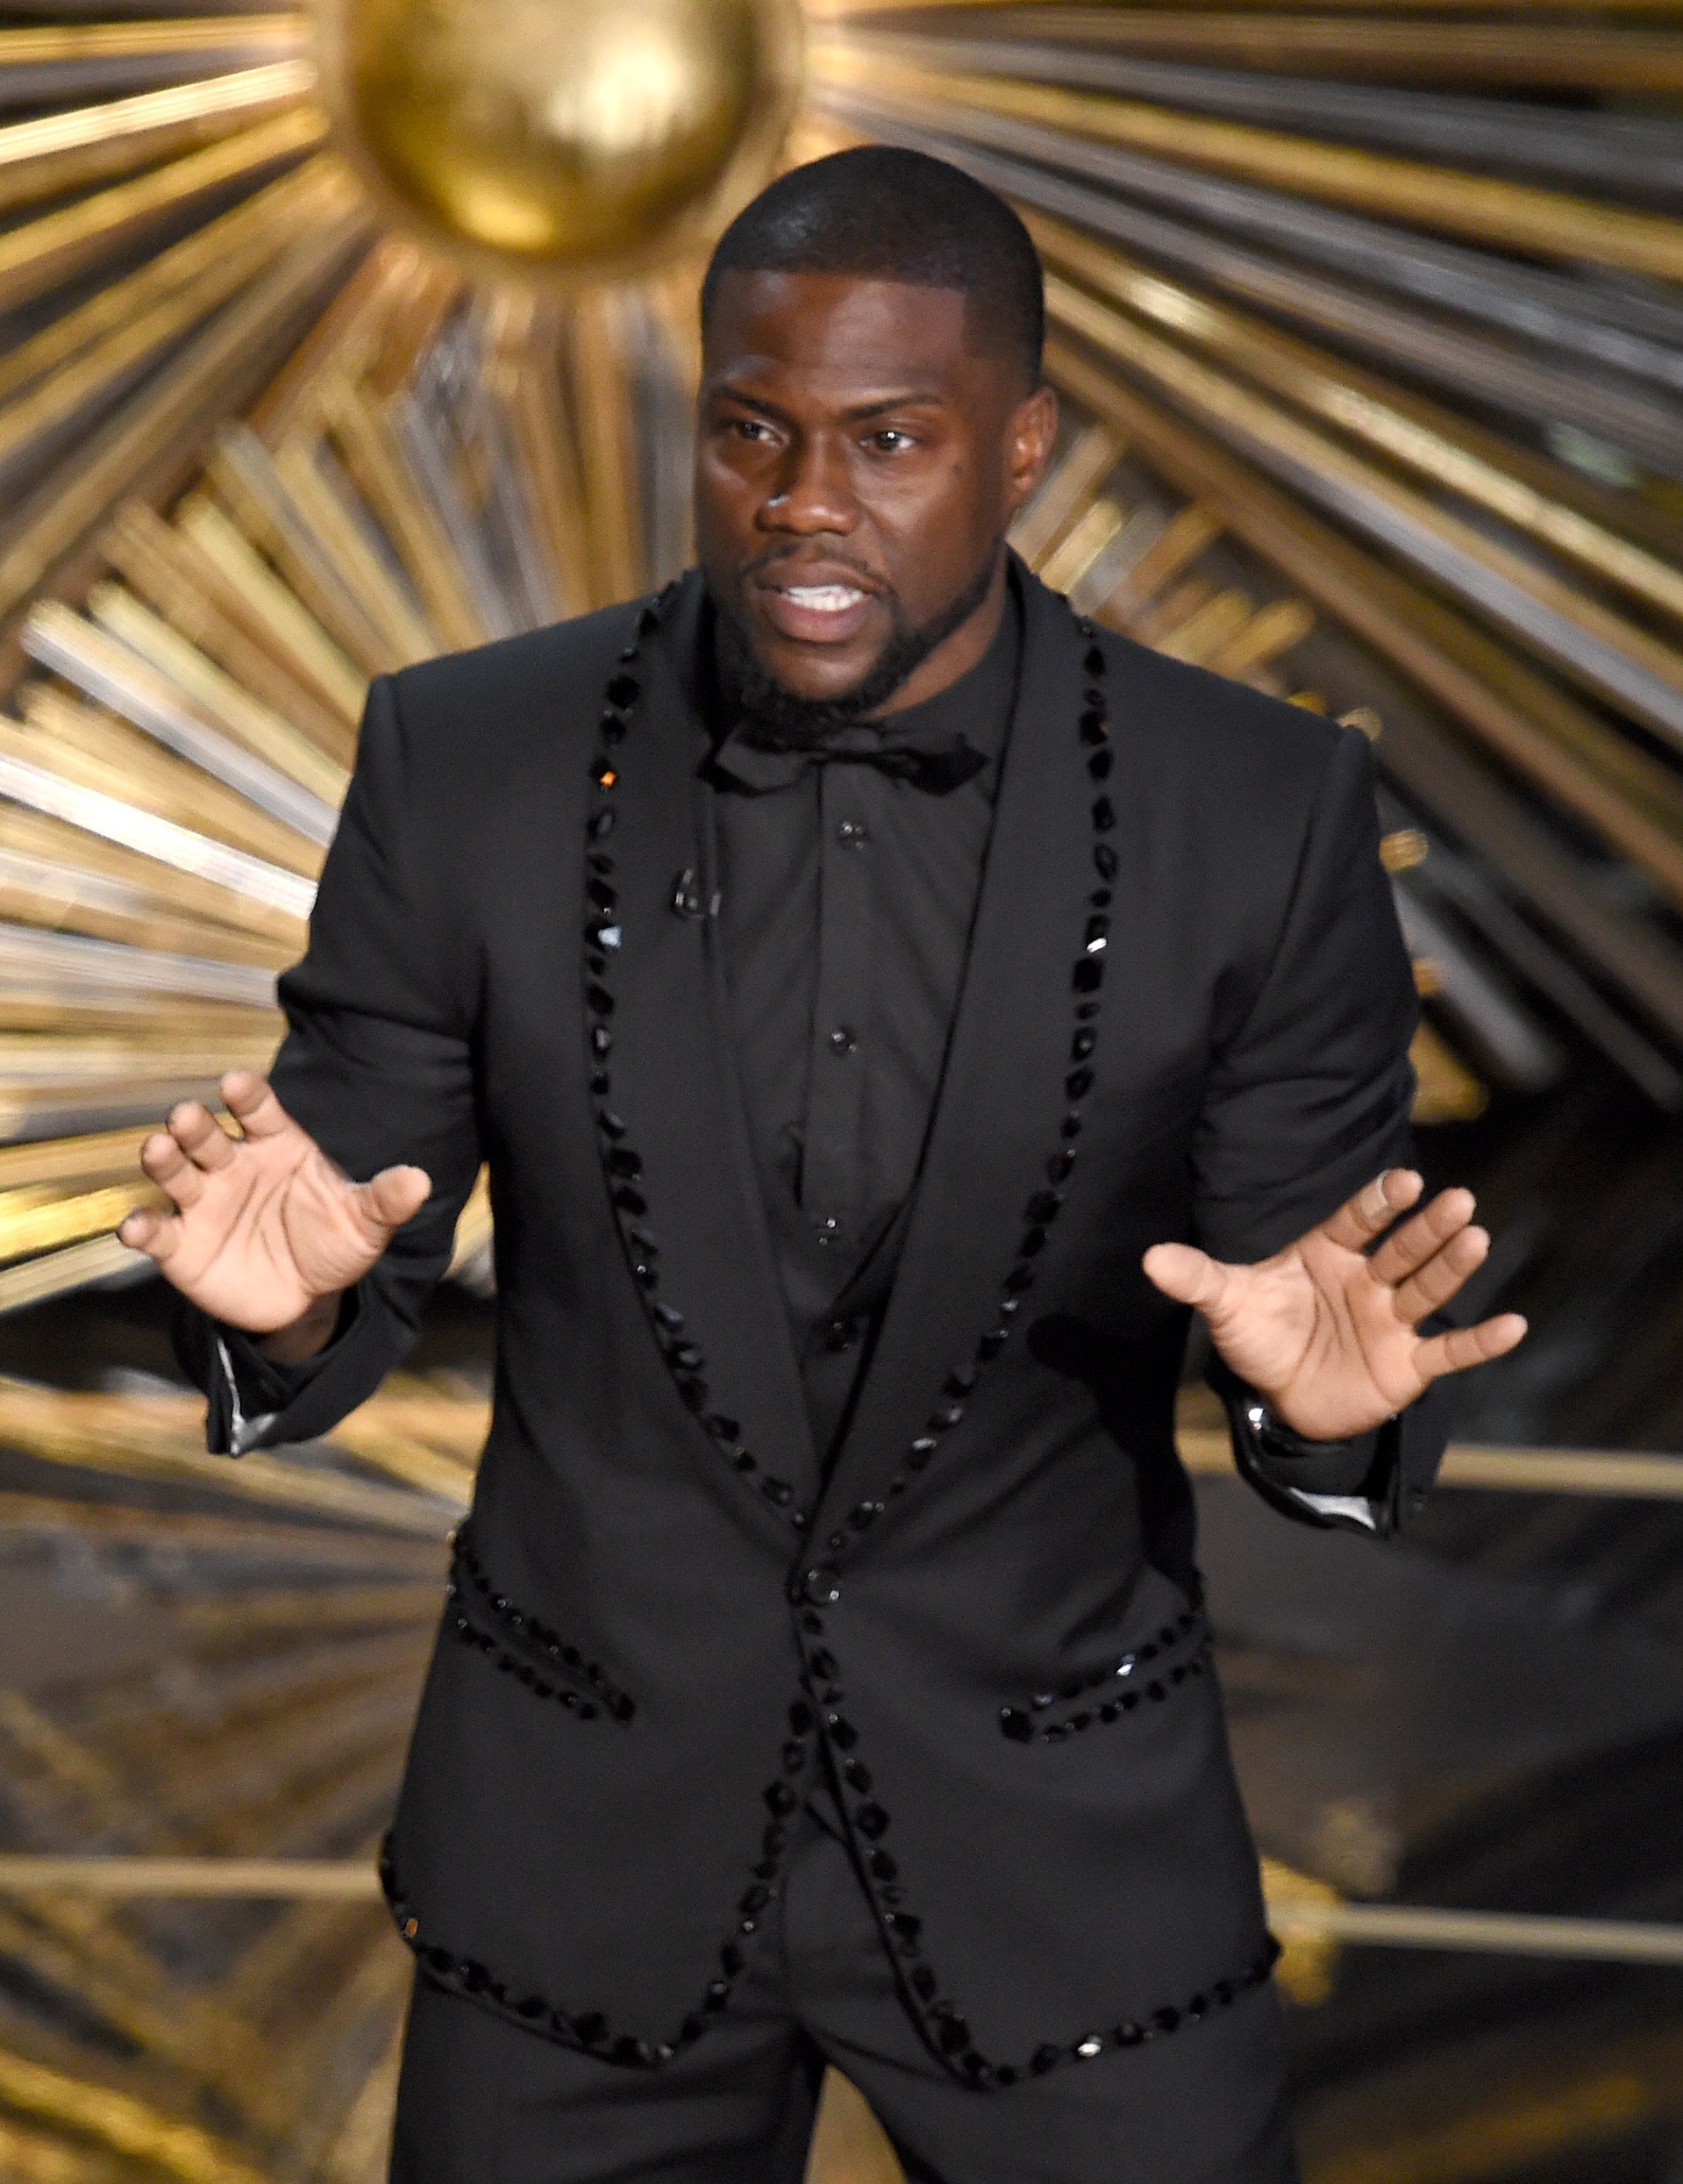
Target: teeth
{"type": "Point", "coordinates": [823, 598]}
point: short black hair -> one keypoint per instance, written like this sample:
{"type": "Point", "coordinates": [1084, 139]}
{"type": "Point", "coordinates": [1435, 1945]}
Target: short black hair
{"type": "Point", "coordinates": [887, 214]}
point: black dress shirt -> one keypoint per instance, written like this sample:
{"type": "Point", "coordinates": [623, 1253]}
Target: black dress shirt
{"type": "Point", "coordinates": [846, 899]}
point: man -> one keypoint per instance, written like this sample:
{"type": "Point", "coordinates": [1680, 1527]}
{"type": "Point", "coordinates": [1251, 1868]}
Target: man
{"type": "Point", "coordinates": [850, 963]}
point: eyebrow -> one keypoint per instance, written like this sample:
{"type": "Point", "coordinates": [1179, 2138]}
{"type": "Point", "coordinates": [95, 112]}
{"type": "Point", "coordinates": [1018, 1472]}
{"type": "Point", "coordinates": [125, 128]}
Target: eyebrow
{"type": "Point", "coordinates": [912, 398]}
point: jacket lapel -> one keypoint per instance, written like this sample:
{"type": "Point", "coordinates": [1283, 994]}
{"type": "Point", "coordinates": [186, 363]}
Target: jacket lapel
{"type": "Point", "coordinates": [674, 1143]}
{"type": "Point", "coordinates": [1015, 1077]}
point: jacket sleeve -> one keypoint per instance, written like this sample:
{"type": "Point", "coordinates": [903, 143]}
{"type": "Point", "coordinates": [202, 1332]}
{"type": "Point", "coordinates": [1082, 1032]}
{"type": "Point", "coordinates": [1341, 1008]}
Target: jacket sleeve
{"type": "Point", "coordinates": [1308, 1099]}
{"type": "Point", "coordinates": [377, 1065]}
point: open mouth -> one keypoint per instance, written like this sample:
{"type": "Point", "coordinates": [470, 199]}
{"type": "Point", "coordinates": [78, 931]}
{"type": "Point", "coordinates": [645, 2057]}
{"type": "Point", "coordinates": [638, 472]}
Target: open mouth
{"type": "Point", "coordinates": [822, 613]}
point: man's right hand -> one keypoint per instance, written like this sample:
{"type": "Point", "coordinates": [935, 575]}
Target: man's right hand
{"type": "Point", "coordinates": [266, 1234]}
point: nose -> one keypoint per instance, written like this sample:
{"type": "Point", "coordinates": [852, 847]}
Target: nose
{"type": "Point", "coordinates": [811, 494]}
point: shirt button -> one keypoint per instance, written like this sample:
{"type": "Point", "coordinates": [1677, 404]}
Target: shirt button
{"type": "Point", "coordinates": [842, 1040]}
{"type": "Point", "coordinates": [854, 833]}
{"type": "Point", "coordinates": [842, 1334]}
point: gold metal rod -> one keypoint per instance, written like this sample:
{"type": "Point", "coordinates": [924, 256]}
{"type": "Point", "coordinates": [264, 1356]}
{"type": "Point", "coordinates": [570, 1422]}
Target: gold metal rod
{"type": "Point", "coordinates": [1550, 223]}
{"type": "Point", "coordinates": [1601, 651]}
{"type": "Point", "coordinates": [375, 326]}
{"type": "Point", "coordinates": [1078, 473]}
{"type": "Point", "coordinates": [65, 897]}
{"type": "Point", "coordinates": [87, 745]}
{"type": "Point", "coordinates": [31, 423]}
{"type": "Point", "coordinates": [73, 150]}
{"type": "Point", "coordinates": [1498, 1933]}
{"type": "Point", "coordinates": [1095, 528]}
{"type": "Point", "coordinates": [527, 379]}
{"type": "Point", "coordinates": [38, 1420]}
{"type": "Point", "coordinates": [101, 1158]}
{"type": "Point", "coordinates": [39, 254]}
{"type": "Point", "coordinates": [1393, 1926]}
{"type": "Point", "coordinates": [258, 885]}
{"type": "Point", "coordinates": [175, 409]}
{"type": "Point", "coordinates": [376, 459]}
{"type": "Point", "coordinates": [159, 567]}
{"type": "Point", "coordinates": [334, 525]}
{"type": "Point", "coordinates": [242, 472]}
{"type": "Point", "coordinates": [215, 693]}
{"type": "Point", "coordinates": [272, 212]}
{"type": "Point", "coordinates": [85, 654]}
{"type": "Point", "coordinates": [128, 2128]}
{"type": "Point", "coordinates": [607, 450]}
{"type": "Point", "coordinates": [1570, 56]}
{"type": "Point", "coordinates": [73, 60]}
{"type": "Point", "coordinates": [1474, 679]}
{"type": "Point", "coordinates": [1429, 440]}
{"type": "Point", "coordinates": [47, 832]}
{"type": "Point", "coordinates": [246, 588]}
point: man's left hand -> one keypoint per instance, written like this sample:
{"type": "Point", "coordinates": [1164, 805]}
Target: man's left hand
{"type": "Point", "coordinates": [1325, 1330]}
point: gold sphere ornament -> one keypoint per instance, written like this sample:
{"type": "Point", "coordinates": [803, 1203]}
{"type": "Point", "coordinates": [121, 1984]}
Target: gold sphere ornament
{"type": "Point", "coordinates": [562, 137]}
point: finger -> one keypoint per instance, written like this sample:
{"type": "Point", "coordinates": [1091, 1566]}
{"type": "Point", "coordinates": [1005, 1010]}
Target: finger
{"type": "Point", "coordinates": [1412, 1244]}
{"type": "Point", "coordinates": [155, 1233]}
{"type": "Point", "coordinates": [200, 1136]}
{"type": "Point", "coordinates": [169, 1167]}
{"type": "Point", "coordinates": [1373, 1209]}
{"type": "Point", "coordinates": [1442, 1276]}
{"type": "Point", "coordinates": [252, 1104]}
{"type": "Point", "coordinates": [1186, 1273]}
{"type": "Point", "coordinates": [1462, 1346]}
{"type": "Point", "coordinates": [395, 1195]}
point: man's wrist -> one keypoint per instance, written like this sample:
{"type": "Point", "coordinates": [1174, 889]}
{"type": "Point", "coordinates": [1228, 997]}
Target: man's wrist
{"type": "Point", "coordinates": [307, 1336]}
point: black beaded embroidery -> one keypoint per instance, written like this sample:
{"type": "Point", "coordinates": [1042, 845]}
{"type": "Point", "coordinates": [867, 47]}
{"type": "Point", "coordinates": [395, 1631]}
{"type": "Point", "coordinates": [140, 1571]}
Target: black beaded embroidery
{"type": "Point", "coordinates": [1045, 1203]}
{"type": "Point", "coordinates": [603, 939]}
{"type": "Point", "coordinates": [1117, 1702]}
{"type": "Point", "coordinates": [589, 2032]}
{"type": "Point", "coordinates": [561, 1660]}
{"type": "Point", "coordinates": [1117, 1687]}
{"type": "Point", "coordinates": [943, 2025]}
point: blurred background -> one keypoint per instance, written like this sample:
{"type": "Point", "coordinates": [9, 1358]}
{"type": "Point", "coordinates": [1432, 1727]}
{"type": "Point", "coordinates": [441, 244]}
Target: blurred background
{"type": "Point", "coordinates": [333, 340]}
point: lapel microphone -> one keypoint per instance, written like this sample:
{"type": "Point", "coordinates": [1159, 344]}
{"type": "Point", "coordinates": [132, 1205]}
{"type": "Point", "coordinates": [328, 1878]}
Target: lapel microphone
{"type": "Point", "coordinates": [687, 900]}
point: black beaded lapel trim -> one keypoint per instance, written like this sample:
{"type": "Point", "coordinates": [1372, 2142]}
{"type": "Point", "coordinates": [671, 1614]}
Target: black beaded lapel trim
{"type": "Point", "coordinates": [590, 2030]}
{"type": "Point", "coordinates": [470, 1591]}
{"type": "Point", "coordinates": [1118, 1689]}
{"type": "Point", "coordinates": [943, 2025]}
{"type": "Point", "coordinates": [1045, 1201]}
{"type": "Point", "coordinates": [624, 1164]}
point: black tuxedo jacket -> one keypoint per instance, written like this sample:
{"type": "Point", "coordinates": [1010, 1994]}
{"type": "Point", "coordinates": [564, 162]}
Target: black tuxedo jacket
{"type": "Point", "coordinates": [1185, 1015]}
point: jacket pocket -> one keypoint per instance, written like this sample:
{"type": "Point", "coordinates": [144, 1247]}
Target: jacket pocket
{"type": "Point", "coordinates": [480, 1614]}
{"type": "Point", "coordinates": [1142, 1675]}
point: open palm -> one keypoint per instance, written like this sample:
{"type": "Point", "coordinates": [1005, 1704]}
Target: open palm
{"type": "Point", "coordinates": [1327, 1329]}
{"type": "Point", "coordinates": [264, 1225]}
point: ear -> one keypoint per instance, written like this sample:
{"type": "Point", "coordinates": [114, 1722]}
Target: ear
{"type": "Point", "coordinates": [1029, 437]}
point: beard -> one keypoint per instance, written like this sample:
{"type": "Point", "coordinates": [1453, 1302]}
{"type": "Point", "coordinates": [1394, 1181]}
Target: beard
{"type": "Point", "coordinates": [798, 723]}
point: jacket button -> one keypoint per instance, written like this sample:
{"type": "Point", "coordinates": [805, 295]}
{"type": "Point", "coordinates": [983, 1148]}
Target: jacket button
{"type": "Point", "coordinates": [820, 1586]}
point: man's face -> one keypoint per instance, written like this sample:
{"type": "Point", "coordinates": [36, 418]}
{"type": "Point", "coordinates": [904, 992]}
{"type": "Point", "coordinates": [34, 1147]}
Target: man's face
{"type": "Point", "coordinates": [856, 465]}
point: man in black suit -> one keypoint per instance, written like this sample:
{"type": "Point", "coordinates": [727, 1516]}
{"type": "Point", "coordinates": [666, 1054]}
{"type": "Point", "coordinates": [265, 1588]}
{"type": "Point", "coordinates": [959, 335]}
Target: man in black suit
{"type": "Point", "coordinates": [852, 964]}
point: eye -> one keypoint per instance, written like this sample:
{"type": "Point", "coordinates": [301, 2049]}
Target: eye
{"type": "Point", "coordinates": [890, 439]}
{"type": "Point", "coordinates": [749, 428]}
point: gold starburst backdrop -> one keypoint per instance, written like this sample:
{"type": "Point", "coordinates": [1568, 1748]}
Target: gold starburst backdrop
{"type": "Point", "coordinates": [327, 345]}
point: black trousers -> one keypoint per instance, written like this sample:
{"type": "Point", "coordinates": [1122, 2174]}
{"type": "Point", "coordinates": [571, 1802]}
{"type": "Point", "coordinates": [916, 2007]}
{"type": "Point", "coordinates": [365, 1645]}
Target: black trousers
{"type": "Point", "coordinates": [481, 2100]}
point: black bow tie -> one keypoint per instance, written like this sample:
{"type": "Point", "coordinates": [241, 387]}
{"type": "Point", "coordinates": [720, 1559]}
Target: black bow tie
{"type": "Point", "coordinates": [751, 759]}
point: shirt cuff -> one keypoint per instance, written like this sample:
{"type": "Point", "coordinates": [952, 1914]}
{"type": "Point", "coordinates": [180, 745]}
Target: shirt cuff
{"type": "Point", "coordinates": [255, 1389]}
{"type": "Point", "coordinates": [1350, 1484]}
